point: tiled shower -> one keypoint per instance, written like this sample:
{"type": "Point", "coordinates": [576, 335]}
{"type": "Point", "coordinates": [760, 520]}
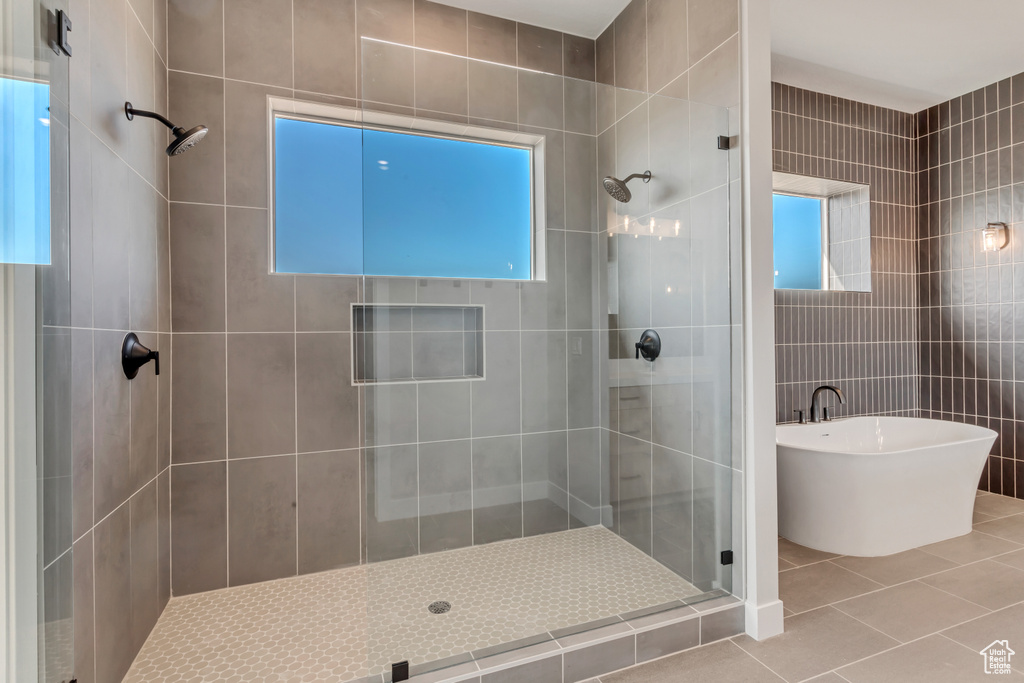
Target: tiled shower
{"type": "Point", "coordinates": [306, 424]}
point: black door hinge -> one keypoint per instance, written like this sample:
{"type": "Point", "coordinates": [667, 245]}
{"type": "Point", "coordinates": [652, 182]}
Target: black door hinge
{"type": "Point", "coordinates": [62, 28]}
{"type": "Point", "coordinates": [724, 142]}
{"type": "Point", "coordinates": [726, 557]}
{"type": "Point", "coordinates": [400, 671]}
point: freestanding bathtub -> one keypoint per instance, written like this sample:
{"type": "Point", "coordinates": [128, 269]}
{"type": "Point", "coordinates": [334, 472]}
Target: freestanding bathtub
{"type": "Point", "coordinates": [873, 486]}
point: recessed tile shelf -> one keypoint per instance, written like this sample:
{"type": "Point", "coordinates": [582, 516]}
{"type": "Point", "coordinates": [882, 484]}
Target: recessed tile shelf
{"type": "Point", "coordinates": [416, 343]}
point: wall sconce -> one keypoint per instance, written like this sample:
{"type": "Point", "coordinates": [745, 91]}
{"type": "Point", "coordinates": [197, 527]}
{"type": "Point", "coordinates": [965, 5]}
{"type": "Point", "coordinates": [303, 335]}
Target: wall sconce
{"type": "Point", "coordinates": [994, 237]}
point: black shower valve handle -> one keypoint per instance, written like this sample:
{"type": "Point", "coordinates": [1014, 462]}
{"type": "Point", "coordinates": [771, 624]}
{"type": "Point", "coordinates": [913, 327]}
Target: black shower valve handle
{"type": "Point", "coordinates": [134, 355]}
{"type": "Point", "coordinates": [649, 345]}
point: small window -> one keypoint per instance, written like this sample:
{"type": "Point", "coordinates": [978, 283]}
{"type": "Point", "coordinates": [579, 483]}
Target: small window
{"type": "Point", "coordinates": [798, 224]}
{"type": "Point", "coordinates": [822, 231]}
{"type": "Point", "coordinates": [25, 173]}
{"type": "Point", "coordinates": [360, 198]}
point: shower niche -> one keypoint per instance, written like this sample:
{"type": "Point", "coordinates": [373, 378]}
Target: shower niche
{"type": "Point", "coordinates": [416, 343]}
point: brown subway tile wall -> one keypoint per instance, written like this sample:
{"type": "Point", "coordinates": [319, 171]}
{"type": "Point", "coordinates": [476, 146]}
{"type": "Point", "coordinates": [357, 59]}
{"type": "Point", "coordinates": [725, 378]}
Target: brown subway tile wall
{"type": "Point", "coordinates": [863, 342]}
{"type": "Point", "coordinates": [970, 156]}
{"type": "Point", "coordinates": [940, 335]}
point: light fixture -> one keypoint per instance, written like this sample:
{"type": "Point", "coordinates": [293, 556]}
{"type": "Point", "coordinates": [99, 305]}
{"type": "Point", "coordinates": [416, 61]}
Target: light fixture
{"type": "Point", "coordinates": [994, 237]}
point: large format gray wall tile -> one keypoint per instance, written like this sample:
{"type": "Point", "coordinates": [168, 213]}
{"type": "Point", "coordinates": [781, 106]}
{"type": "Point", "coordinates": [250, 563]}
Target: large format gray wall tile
{"type": "Point", "coordinates": [193, 100]}
{"type": "Point", "coordinates": [261, 395]}
{"type": "Point", "coordinates": [261, 513]}
{"type": "Point", "coordinates": [112, 461]}
{"type": "Point", "coordinates": [325, 47]}
{"type": "Point", "coordinates": [199, 427]}
{"type": "Point", "coordinates": [497, 489]}
{"type": "Point", "coordinates": [199, 533]}
{"type": "Point", "coordinates": [113, 594]}
{"type": "Point", "coordinates": [329, 498]}
{"type": "Point", "coordinates": [197, 278]}
{"type": "Point", "coordinates": [445, 495]}
{"type": "Point", "coordinates": [196, 28]}
{"type": "Point", "coordinates": [257, 300]}
{"type": "Point", "coordinates": [327, 403]}
{"type": "Point", "coordinates": [258, 41]}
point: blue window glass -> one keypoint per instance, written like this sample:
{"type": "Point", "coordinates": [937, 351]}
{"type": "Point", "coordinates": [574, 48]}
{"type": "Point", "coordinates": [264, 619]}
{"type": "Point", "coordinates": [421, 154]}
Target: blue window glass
{"type": "Point", "coordinates": [318, 198]}
{"type": "Point", "coordinates": [797, 232]}
{"type": "Point", "coordinates": [386, 203]}
{"type": "Point", "coordinates": [24, 172]}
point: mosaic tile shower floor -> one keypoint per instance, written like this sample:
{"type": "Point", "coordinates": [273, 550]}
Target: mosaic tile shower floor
{"type": "Point", "coordinates": [349, 623]}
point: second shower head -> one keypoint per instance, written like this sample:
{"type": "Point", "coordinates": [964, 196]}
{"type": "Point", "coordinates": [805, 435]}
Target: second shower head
{"type": "Point", "coordinates": [617, 188]}
{"type": "Point", "coordinates": [184, 140]}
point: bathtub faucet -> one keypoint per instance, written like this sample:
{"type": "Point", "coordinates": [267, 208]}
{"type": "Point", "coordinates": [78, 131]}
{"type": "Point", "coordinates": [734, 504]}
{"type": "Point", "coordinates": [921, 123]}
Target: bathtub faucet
{"type": "Point", "coordinates": [816, 400]}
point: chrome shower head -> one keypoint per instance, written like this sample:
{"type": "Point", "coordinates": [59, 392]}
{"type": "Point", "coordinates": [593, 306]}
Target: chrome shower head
{"type": "Point", "coordinates": [184, 140]}
{"type": "Point", "coordinates": [617, 188]}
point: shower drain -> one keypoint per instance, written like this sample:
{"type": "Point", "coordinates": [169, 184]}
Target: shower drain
{"type": "Point", "coordinates": [439, 607]}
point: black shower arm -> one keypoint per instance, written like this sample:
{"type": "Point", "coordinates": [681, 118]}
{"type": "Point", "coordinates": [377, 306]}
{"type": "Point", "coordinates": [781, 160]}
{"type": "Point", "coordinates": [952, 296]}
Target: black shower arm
{"type": "Point", "coordinates": [132, 112]}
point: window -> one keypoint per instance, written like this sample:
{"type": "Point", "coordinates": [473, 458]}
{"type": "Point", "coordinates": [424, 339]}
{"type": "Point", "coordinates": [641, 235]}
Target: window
{"type": "Point", "coordinates": [798, 256]}
{"type": "Point", "coordinates": [386, 197]}
{"type": "Point", "coordinates": [822, 230]}
{"type": "Point", "coordinates": [25, 172]}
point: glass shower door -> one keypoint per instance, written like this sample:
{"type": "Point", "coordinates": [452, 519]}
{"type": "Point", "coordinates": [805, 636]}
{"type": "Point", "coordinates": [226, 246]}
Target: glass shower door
{"type": "Point", "coordinates": [670, 255]}
{"type": "Point", "coordinates": [526, 476]}
{"type": "Point", "coordinates": [35, 383]}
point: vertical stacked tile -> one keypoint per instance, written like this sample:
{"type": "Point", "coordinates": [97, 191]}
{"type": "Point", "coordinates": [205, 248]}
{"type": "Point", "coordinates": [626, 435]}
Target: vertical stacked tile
{"type": "Point", "coordinates": [970, 153]}
{"type": "Point", "coordinates": [863, 342]}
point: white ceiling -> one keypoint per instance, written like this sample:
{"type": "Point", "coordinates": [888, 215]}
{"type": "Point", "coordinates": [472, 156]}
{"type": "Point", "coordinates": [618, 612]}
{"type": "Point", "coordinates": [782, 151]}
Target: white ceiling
{"type": "Point", "coordinates": [587, 18]}
{"type": "Point", "coordinates": [902, 54]}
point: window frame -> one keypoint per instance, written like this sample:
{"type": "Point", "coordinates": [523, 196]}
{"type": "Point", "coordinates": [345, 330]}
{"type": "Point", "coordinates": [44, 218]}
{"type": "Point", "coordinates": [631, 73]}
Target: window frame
{"type": "Point", "coordinates": [351, 117]}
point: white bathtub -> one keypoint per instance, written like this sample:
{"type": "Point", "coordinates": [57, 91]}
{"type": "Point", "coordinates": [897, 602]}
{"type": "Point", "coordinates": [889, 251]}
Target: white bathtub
{"type": "Point", "coordinates": [873, 486]}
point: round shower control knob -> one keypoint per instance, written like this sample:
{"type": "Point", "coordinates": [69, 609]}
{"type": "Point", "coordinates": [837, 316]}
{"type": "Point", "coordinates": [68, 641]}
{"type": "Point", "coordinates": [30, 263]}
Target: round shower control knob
{"type": "Point", "coordinates": [649, 345]}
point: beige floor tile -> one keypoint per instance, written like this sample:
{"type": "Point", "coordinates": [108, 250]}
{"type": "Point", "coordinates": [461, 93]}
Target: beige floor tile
{"type": "Point", "coordinates": [820, 584]}
{"type": "Point", "coordinates": [784, 565]}
{"type": "Point", "coordinates": [990, 584]}
{"type": "Point", "coordinates": [910, 611]}
{"type": "Point", "coordinates": [1004, 624]}
{"type": "Point", "coordinates": [930, 660]}
{"type": "Point", "coordinates": [830, 677]}
{"type": "Point", "coordinates": [1011, 528]}
{"type": "Point", "coordinates": [798, 555]}
{"type": "Point", "coordinates": [721, 662]}
{"type": "Point", "coordinates": [980, 517]}
{"type": "Point", "coordinates": [970, 547]}
{"type": "Point", "coordinates": [816, 642]}
{"type": "Point", "coordinates": [998, 506]}
{"type": "Point", "coordinates": [893, 569]}
{"type": "Point", "coordinates": [1014, 559]}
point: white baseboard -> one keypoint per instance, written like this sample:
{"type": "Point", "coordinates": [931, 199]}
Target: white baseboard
{"type": "Point", "coordinates": [764, 621]}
